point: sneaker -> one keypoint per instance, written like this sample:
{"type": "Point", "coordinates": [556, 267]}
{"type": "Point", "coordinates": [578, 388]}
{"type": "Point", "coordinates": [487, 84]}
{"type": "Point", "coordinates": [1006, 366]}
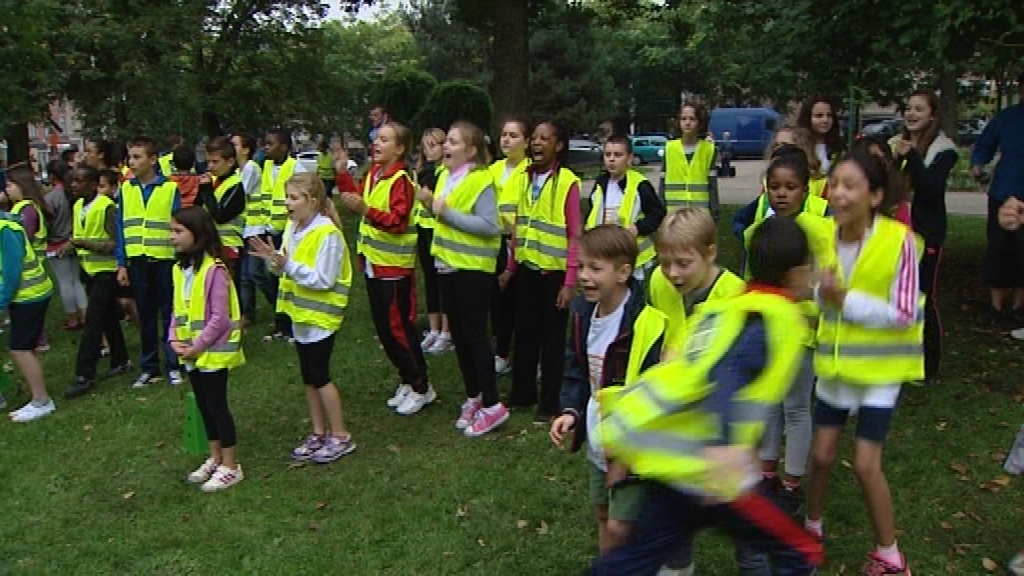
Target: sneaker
{"type": "Point", "coordinates": [223, 478]}
{"type": "Point", "coordinates": [78, 388]}
{"type": "Point", "coordinates": [1017, 334]}
{"type": "Point", "coordinates": [400, 393]}
{"type": "Point", "coordinates": [204, 472]}
{"type": "Point", "coordinates": [666, 571]}
{"type": "Point", "coordinates": [442, 344]}
{"type": "Point", "coordinates": [469, 409]}
{"type": "Point", "coordinates": [332, 449]}
{"type": "Point", "coordinates": [104, 352]}
{"type": "Point", "coordinates": [277, 336]}
{"type": "Point", "coordinates": [175, 378]}
{"type": "Point", "coordinates": [306, 450]}
{"type": "Point", "coordinates": [30, 412]}
{"type": "Point", "coordinates": [1016, 566]}
{"type": "Point", "coordinates": [502, 366]}
{"type": "Point", "coordinates": [487, 419]}
{"type": "Point", "coordinates": [429, 338]}
{"type": "Point", "coordinates": [145, 379]}
{"type": "Point", "coordinates": [43, 348]}
{"type": "Point", "coordinates": [116, 371]}
{"type": "Point", "coordinates": [876, 566]}
{"type": "Point", "coordinates": [414, 401]}
{"type": "Point", "coordinates": [791, 500]}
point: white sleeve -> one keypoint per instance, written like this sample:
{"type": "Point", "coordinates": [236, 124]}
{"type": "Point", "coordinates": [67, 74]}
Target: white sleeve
{"type": "Point", "coordinates": [901, 309]}
{"type": "Point", "coordinates": [325, 274]}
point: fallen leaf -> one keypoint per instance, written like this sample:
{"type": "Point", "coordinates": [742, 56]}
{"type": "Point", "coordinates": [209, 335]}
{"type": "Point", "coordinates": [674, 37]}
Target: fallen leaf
{"type": "Point", "coordinates": [946, 525]}
{"type": "Point", "coordinates": [448, 553]}
{"type": "Point", "coordinates": [959, 468]}
{"type": "Point", "coordinates": [998, 456]}
{"type": "Point", "coordinates": [959, 515]}
{"type": "Point", "coordinates": [522, 524]}
{"type": "Point", "coordinates": [480, 541]}
{"type": "Point", "coordinates": [321, 505]}
{"type": "Point", "coordinates": [128, 495]}
{"type": "Point", "coordinates": [313, 527]}
{"type": "Point", "coordinates": [941, 425]}
{"type": "Point", "coordinates": [461, 512]}
{"type": "Point", "coordinates": [185, 517]}
{"type": "Point", "coordinates": [543, 528]}
{"type": "Point", "coordinates": [1003, 481]}
{"type": "Point", "coordinates": [159, 444]}
{"type": "Point", "coordinates": [394, 449]}
{"type": "Point", "coordinates": [87, 427]}
{"type": "Point", "coordinates": [298, 464]}
{"type": "Point", "coordinates": [989, 564]}
{"type": "Point", "coordinates": [846, 464]}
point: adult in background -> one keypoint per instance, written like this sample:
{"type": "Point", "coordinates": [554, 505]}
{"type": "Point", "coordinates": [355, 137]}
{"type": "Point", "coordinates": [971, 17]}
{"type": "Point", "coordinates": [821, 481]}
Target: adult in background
{"type": "Point", "coordinates": [378, 118]}
{"type": "Point", "coordinates": [63, 260]}
{"type": "Point", "coordinates": [1003, 270]}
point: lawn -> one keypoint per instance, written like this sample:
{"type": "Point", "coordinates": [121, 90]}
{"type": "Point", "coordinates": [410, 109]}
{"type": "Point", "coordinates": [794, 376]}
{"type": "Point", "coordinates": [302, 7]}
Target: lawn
{"type": "Point", "coordinates": [97, 489]}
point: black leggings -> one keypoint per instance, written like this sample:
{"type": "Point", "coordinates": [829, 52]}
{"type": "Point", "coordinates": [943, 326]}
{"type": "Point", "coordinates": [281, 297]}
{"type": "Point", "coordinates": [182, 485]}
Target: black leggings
{"type": "Point", "coordinates": [467, 296]}
{"type": "Point", "coordinates": [424, 238]}
{"type": "Point", "coordinates": [503, 307]}
{"type": "Point", "coordinates": [211, 390]}
{"type": "Point", "coordinates": [929, 272]}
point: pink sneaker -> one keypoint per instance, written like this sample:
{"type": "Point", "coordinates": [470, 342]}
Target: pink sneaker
{"type": "Point", "coordinates": [877, 566]}
{"type": "Point", "coordinates": [469, 409]}
{"type": "Point", "coordinates": [487, 419]}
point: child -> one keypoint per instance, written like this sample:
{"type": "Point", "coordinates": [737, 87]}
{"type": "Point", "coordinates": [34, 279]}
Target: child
{"type": "Point", "coordinates": [206, 332]}
{"type": "Point", "coordinates": [467, 238]}
{"type": "Point", "coordinates": [818, 116]}
{"type": "Point", "coordinates": [802, 139]}
{"type": "Point", "coordinates": [342, 169]}
{"type": "Point", "coordinates": [428, 167]}
{"type": "Point", "coordinates": [725, 167]}
{"type": "Point", "coordinates": [869, 342]}
{"type": "Point", "coordinates": [598, 351]}
{"type": "Point", "coordinates": [544, 250]}
{"type": "Point", "coordinates": [688, 163]}
{"type": "Point", "coordinates": [28, 202]}
{"type": "Point", "coordinates": [25, 290]}
{"type": "Point", "coordinates": [222, 194]}
{"type": "Point", "coordinates": [880, 149]}
{"type": "Point", "coordinates": [316, 274]}
{"type": "Point", "coordinates": [183, 159]}
{"type": "Point", "coordinates": [63, 260]}
{"type": "Point", "coordinates": [690, 426]}
{"type": "Point", "coordinates": [109, 186]}
{"type": "Point", "coordinates": [95, 228]}
{"type": "Point", "coordinates": [625, 197]}
{"type": "Point", "coordinates": [387, 248]}
{"type": "Point", "coordinates": [145, 256]}
{"type": "Point", "coordinates": [251, 176]}
{"type": "Point", "coordinates": [507, 173]}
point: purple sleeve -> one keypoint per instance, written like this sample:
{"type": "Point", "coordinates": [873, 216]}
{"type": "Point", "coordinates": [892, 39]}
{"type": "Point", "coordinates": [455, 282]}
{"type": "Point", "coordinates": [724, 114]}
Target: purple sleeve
{"type": "Point", "coordinates": [572, 231]}
{"type": "Point", "coordinates": [30, 221]}
{"type": "Point", "coordinates": [218, 315]}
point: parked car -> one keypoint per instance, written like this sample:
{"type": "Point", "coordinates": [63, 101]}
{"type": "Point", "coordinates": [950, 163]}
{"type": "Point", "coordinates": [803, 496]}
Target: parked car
{"type": "Point", "coordinates": [584, 153]}
{"type": "Point", "coordinates": [750, 129]}
{"type": "Point", "coordinates": [648, 148]}
{"type": "Point", "coordinates": [885, 128]}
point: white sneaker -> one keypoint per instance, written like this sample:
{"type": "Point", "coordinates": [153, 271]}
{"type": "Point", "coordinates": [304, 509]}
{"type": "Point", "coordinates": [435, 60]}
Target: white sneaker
{"type": "Point", "coordinates": [30, 412]}
{"type": "Point", "coordinates": [414, 401]}
{"type": "Point", "coordinates": [400, 393]}
{"type": "Point", "coordinates": [442, 344]}
{"type": "Point", "coordinates": [175, 377]}
{"type": "Point", "coordinates": [665, 571]}
{"type": "Point", "coordinates": [1017, 334]}
{"type": "Point", "coordinates": [223, 478]}
{"type": "Point", "coordinates": [502, 366]}
{"type": "Point", "coordinates": [428, 340]}
{"type": "Point", "coordinates": [204, 472]}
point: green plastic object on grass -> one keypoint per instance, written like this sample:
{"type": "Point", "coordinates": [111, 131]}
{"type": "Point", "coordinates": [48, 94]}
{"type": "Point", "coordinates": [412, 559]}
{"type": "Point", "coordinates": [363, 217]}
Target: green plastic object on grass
{"type": "Point", "coordinates": [195, 441]}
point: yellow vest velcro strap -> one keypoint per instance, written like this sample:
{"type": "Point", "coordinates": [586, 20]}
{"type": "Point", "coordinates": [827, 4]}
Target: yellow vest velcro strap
{"type": "Point", "coordinates": [870, 350]}
{"type": "Point", "coordinates": [386, 247]}
{"type": "Point", "coordinates": [312, 305]}
{"type": "Point", "coordinates": [459, 247]}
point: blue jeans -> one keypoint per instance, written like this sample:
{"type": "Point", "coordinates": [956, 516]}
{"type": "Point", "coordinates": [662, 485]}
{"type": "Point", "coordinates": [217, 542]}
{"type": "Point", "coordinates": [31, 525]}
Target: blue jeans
{"type": "Point", "coordinates": [154, 291]}
{"type": "Point", "coordinates": [669, 518]}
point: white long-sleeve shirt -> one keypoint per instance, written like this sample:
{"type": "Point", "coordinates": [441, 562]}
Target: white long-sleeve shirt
{"type": "Point", "coordinates": [323, 276]}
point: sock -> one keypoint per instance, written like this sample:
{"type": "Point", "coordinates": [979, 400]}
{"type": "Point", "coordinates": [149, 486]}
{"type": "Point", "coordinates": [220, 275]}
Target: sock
{"type": "Point", "coordinates": [816, 527]}
{"type": "Point", "coordinates": [40, 403]}
{"type": "Point", "coordinates": [445, 335]}
{"type": "Point", "coordinates": [790, 485]}
{"type": "Point", "coordinates": [890, 554]}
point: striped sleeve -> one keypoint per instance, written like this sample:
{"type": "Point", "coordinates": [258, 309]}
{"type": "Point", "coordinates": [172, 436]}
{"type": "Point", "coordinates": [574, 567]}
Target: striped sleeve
{"type": "Point", "coordinates": [906, 286]}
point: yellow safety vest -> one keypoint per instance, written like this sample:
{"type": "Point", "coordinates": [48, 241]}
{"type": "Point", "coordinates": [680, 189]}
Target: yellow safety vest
{"type": "Point", "coordinates": [40, 239]}
{"type": "Point", "coordinates": [421, 215]}
{"type": "Point", "coordinates": [665, 297]}
{"type": "Point", "coordinates": [649, 325]}
{"type": "Point", "coordinates": [380, 247]}
{"type": "Point", "coordinates": [660, 428]}
{"type": "Point", "coordinates": [458, 249]}
{"type": "Point", "coordinates": [686, 181]}
{"type": "Point", "coordinates": [865, 356]}
{"type": "Point", "coordinates": [273, 193]}
{"type": "Point", "coordinates": [147, 227]}
{"type": "Point", "coordinates": [35, 283]}
{"type": "Point", "coordinates": [230, 231]}
{"type": "Point", "coordinates": [508, 191]}
{"type": "Point", "coordinates": [541, 233]}
{"type": "Point", "coordinates": [812, 205]}
{"type": "Point", "coordinates": [166, 163]}
{"type": "Point", "coordinates": [257, 211]}
{"type": "Point", "coordinates": [630, 200]}
{"type": "Point", "coordinates": [817, 186]}
{"type": "Point", "coordinates": [93, 229]}
{"type": "Point", "coordinates": [190, 318]}
{"type": "Point", "coordinates": [321, 308]}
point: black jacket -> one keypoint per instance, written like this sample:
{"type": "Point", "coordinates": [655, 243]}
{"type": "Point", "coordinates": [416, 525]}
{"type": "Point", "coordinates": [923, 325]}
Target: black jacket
{"type": "Point", "coordinates": [928, 205]}
{"type": "Point", "coordinates": [231, 204]}
{"type": "Point", "coordinates": [651, 206]}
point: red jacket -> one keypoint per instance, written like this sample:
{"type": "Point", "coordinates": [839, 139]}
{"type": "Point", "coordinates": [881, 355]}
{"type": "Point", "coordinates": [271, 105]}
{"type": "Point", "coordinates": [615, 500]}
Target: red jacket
{"type": "Point", "coordinates": [395, 219]}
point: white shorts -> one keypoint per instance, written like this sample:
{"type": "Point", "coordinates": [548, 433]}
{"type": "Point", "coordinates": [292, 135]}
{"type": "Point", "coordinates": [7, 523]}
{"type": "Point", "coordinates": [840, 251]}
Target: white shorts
{"type": "Point", "coordinates": [851, 396]}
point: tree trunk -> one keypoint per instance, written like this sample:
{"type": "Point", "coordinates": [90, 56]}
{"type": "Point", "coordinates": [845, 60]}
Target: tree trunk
{"type": "Point", "coordinates": [17, 143]}
{"type": "Point", "coordinates": [510, 61]}
{"type": "Point", "coordinates": [947, 104]}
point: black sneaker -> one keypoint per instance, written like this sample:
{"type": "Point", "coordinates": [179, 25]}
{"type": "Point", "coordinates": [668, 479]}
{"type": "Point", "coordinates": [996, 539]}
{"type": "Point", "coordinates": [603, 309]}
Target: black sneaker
{"type": "Point", "coordinates": [117, 371]}
{"type": "Point", "coordinates": [791, 500]}
{"type": "Point", "coordinates": [80, 387]}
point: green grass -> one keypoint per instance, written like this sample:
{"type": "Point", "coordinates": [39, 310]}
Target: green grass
{"type": "Point", "coordinates": [96, 488]}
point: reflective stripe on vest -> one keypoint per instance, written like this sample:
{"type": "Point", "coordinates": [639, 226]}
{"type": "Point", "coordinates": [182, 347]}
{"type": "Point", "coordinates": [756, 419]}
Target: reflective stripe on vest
{"type": "Point", "coordinates": [94, 229]}
{"type": "Point", "coordinates": [273, 193]}
{"type": "Point", "coordinates": [147, 226]}
{"type": "Point", "coordinates": [34, 283]}
{"type": "Point", "coordinates": [858, 355]}
{"type": "Point", "coordinates": [458, 249]}
{"type": "Point", "coordinates": [190, 318]}
{"type": "Point", "coordinates": [421, 215]}
{"type": "Point", "coordinates": [625, 216]}
{"type": "Point", "coordinates": [230, 231]}
{"type": "Point", "coordinates": [508, 188]}
{"type": "Point", "coordinates": [541, 234]}
{"type": "Point", "coordinates": [321, 308]}
{"type": "Point", "coordinates": [39, 240]}
{"type": "Point", "coordinates": [377, 246]}
{"type": "Point", "coordinates": [668, 300]}
{"type": "Point", "coordinates": [686, 181]}
{"type": "Point", "coordinates": [257, 211]}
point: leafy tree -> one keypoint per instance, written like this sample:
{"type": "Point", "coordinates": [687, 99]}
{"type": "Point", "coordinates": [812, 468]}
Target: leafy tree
{"type": "Point", "coordinates": [403, 92]}
{"type": "Point", "coordinates": [452, 101]}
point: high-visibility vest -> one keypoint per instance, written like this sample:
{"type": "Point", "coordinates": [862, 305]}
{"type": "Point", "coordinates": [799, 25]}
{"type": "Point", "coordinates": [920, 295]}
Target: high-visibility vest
{"type": "Point", "coordinates": [660, 427]}
{"type": "Point", "coordinates": [812, 205]}
{"type": "Point", "coordinates": [421, 215]}
{"type": "Point", "coordinates": [166, 164]}
{"type": "Point", "coordinates": [630, 200]}
{"type": "Point", "coordinates": [458, 249]}
{"type": "Point", "coordinates": [818, 187]}
{"type": "Point", "coordinates": [686, 181]}
{"type": "Point", "coordinates": [648, 327]}
{"type": "Point", "coordinates": [665, 297]}
{"type": "Point", "coordinates": [321, 308]}
{"type": "Point", "coordinates": [40, 239]}
{"type": "Point", "coordinates": [230, 231]}
{"type": "Point", "coordinates": [147, 227]}
{"type": "Point", "coordinates": [541, 233]}
{"type": "Point", "coordinates": [380, 247]}
{"type": "Point", "coordinates": [508, 190]}
{"type": "Point", "coordinates": [865, 356]}
{"type": "Point", "coordinates": [257, 211]}
{"type": "Point", "coordinates": [190, 318]}
{"type": "Point", "coordinates": [273, 193]}
{"type": "Point", "coordinates": [93, 229]}
{"type": "Point", "coordinates": [34, 283]}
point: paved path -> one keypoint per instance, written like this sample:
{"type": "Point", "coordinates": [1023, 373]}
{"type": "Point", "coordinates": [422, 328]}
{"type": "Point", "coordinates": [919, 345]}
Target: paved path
{"type": "Point", "coordinates": [747, 185]}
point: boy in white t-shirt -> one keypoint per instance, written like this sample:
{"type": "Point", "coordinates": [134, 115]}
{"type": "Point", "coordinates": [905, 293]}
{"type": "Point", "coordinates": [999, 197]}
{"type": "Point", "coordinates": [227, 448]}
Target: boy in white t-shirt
{"type": "Point", "coordinates": [598, 353]}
